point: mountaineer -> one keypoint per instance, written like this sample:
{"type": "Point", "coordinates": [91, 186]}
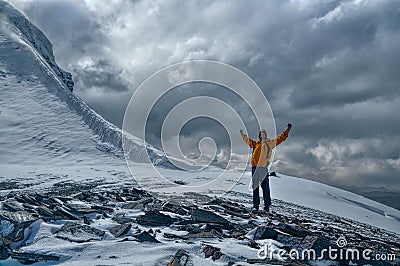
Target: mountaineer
{"type": "Point", "coordinates": [262, 150]}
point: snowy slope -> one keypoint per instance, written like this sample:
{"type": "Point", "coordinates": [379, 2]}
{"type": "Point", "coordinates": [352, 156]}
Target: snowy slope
{"type": "Point", "coordinates": [49, 136]}
{"type": "Point", "coordinates": [41, 116]}
{"type": "Point", "coordinates": [329, 199]}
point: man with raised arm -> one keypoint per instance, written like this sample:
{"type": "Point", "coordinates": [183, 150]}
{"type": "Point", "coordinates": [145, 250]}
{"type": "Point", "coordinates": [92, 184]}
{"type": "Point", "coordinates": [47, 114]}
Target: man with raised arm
{"type": "Point", "coordinates": [262, 151]}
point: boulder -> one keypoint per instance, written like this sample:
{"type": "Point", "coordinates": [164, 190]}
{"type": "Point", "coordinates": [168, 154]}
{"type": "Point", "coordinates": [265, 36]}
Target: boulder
{"type": "Point", "coordinates": [63, 213]}
{"type": "Point", "coordinates": [204, 216]}
{"type": "Point", "coordinates": [289, 241]}
{"type": "Point", "coordinates": [171, 207]}
{"type": "Point", "coordinates": [203, 234]}
{"type": "Point", "coordinates": [265, 232]}
{"type": "Point", "coordinates": [292, 230]}
{"type": "Point", "coordinates": [119, 198]}
{"type": "Point", "coordinates": [45, 213]}
{"type": "Point", "coordinates": [137, 204]}
{"type": "Point", "coordinates": [30, 258]}
{"type": "Point", "coordinates": [86, 220]}
{"type": "Point", "coordinates": [13, 224]}
{"type": "Point", "coordinates": [27, 199]}
{"type": "Point", "coordinates": [155, 218]}
{"type": "Point", "coordinates": [315, 243]}
{"type": "Point", "coordinates": [209, 227]}
{"type": "Point", "coordinates": [181, 258]}
{"type": "Point", "coordinates": [213, 252]}
{"type": "Point", "coordinates": [4, 252]}
{"type": "Point", "coordinates": [13, 206]}
{"type": "Point", "coordinates": [122, 219]}
{"type": "Point", "coordinates": [79, 232]}
{"type": "Point", "coordinates": [146, 237]}
{"type": "Point", "coordinates": [121, 229]}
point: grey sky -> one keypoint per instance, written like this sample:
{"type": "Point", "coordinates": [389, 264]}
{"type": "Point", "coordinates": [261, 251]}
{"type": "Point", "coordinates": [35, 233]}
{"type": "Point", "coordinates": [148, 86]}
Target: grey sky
{"type": "Point", "coordinates": [329, 67]}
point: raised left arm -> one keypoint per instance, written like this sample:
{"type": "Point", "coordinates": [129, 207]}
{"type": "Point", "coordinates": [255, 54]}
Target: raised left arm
{"type": "Point", "coordinates": [281, 138]}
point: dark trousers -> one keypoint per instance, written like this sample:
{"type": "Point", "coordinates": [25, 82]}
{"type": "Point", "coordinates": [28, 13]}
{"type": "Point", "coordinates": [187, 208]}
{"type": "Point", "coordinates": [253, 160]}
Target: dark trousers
{"type": "Point", "coordinates": [265, 189]}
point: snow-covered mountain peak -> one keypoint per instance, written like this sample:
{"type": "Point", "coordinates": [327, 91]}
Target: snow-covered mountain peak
{"type": "Point", "coordinates": [35, 37]}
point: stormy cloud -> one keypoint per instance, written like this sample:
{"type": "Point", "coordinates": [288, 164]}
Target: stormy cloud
{"type": "Point", "coordinates": [329, 67]}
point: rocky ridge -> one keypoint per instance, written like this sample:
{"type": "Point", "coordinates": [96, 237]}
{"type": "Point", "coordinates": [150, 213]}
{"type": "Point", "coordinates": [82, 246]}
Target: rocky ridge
{"type": "Point", "coordinates": [138, 216]}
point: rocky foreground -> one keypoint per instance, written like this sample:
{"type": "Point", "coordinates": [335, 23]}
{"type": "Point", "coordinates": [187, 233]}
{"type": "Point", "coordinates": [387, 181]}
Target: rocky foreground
{"type": "Point", "coordinates": [135, 215]}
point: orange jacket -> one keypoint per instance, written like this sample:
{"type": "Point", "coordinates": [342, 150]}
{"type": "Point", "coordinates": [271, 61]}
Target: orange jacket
{"type": "Point", "coordinates": [262, 150]}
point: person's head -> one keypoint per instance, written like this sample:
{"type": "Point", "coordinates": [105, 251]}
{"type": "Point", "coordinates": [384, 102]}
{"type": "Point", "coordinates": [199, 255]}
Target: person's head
{"type": "Point", "coordinates": [262, 134]}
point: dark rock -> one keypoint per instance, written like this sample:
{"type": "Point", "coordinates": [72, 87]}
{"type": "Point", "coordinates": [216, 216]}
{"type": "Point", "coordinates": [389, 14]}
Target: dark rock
{"type": "Point", "coordinates": [8, 185]}
{"type": "Point", "coordinates": [231, 208]}
{"type": "Point", "coordinates": [238, 233]}
{"type": "Point", "coordinates": [80, 211]}
{"type": "Point", "coordinates": [134, 194]}
{"type": "Point", "coordinates": [101, 197]}
{"type": "Point", "coordinates": [120, 229]}
{"type": "Point", "coordinates": [185, 222]}
{"type": "Point", "coordinates": [13, 224]}
{"type": "Point", "coordinates": [292, 231]}
{"type": "Point", "coordinates": [155, 218]}
{"type": "Point", "coordinates": [213, 252]}
{"type": "Point", "coordinates": [86, 220]}
{"type": "Point", "coordinates": [30, 208]}
{"type": "Point", "coordinates": [180, 182]}
{"type": "Point", "coordinates": [203, 234]}
{"type": "Point", "coordinates": [171, 236]}
{"type": "Point", "coordinates": [265, 232]}
{"type": "Point", "coordinates": [79, 232]}
{"type": "Point", "coordinates": [315, 243]}
{"type": "Point", "coordinates": [29, 258]}
{"type": "Point", "coordinates": [272, 174]}
{"type": "Point", "coordinates": [12, 206]}
{"type": "Point", "coordinates": [253, 244]}
{"type": "Point", "coordinates": [189, 228]}
{"type": "Point", "coordinates": [146, 237]}
{"type": "Point", "coordinates": [85, 196]}
{"type": "Point", "coordinates": [119, 198]}
{"type": "Point", "coordinates": [122, 219]}
{"type": "Point", "coordinates": [181, 258]}
{"type": "Point", "coordinates": [209, 227]}
{"type": "Point", "coordinates": [64, 199]}
{"type": "Point", "coordinates": [62, 213]}
{"type": "Point", "coordinates": [170, 207]}
{"type": "Point", "coordinates": [238, 214]}
{"type": "Point", "coordinates": [102, 208]}
{"type": "Point", "coordinates": [27, 199]}
{"type": "Point", "coordinates": [138, 204]}
{"type": "Point", "coordinates": [227, 205]}
{"type": "Point", "coordinates": [216, 255]}
{"type": "Point", "coordinates": [4, 253]}
{"type": "Point", "coordinates": [289, 241]}
{"type": "Point", "coordinates": [203, 216]}
{"type": "Point", "coordinates": [45, 213]}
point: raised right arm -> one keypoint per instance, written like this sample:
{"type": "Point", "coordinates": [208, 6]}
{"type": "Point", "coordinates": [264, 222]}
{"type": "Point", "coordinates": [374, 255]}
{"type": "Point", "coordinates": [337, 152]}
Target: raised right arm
{"type": "Point", "coordinates": [250, 142]}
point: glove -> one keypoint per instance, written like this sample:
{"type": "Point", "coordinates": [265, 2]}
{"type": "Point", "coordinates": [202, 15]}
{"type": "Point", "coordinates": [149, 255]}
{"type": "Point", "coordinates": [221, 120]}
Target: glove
{"type": "Point", "coordinates": [241, 132]}
{"type": "Point", "coordinates": [289, 126]}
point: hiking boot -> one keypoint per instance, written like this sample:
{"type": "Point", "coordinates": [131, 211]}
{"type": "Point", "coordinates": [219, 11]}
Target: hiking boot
{"type": "Point", "coordinates": [267, 210]}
